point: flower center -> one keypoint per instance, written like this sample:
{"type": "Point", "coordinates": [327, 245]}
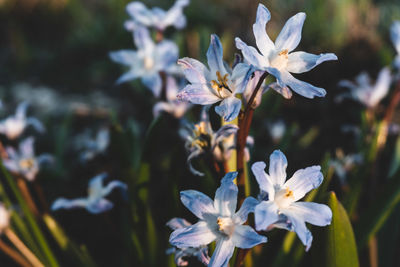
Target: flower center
{"type": "Point", "coordinates": [284, 197]}
{"type": "Point", "coordinates": [148, 63]}
{"type": "Point", "coordinates": [26, 163]}
{"type": "Point", "coordinates": [280, 60]}
{"type": "Point", "coordinates": [202, 137]}
{"type": "Point", "coordinates": [226, 225]}
{"type": "Point", "coordinates": [221, 86]}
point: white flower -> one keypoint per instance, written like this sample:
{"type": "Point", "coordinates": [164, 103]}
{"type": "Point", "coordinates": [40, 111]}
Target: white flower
{"type": "Point", "coordinates": [14, 125]}
{"type": "Point", "coordinates": [92, 147]}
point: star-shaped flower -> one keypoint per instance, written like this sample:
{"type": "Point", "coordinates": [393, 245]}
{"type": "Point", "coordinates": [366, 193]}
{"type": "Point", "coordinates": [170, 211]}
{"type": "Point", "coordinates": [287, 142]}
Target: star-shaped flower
{"type": "Point", "coordinates": [279, 198]}
{"type": "Point", "coordinates": [277, 59]}
{"type": "Point", "coordinates": [218, 222]}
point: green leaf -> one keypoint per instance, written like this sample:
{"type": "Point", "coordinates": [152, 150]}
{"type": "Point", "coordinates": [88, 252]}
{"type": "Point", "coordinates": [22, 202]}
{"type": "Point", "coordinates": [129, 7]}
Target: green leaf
{"type": "Point", "coordinates": [341, 245]}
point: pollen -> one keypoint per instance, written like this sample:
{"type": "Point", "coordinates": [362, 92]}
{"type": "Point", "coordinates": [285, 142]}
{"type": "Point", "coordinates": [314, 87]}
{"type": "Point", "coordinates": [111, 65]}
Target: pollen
{"type": "Point", "coordinates": [226, 225]}
{"type": "Point", "coordinates": [284, 53]}
{"type": "Point", "coordinates": [221, 85]}
{"type": "Point", "coordinates": [26, 163]}
{"type": "Point", "coordinates": [289, 193]}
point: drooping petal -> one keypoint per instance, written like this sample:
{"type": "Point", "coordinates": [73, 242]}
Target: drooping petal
{"type": "Point", "coordinates": [265, 214]}
{"type": "Point", "coordinates": [229, 108]}
{"type": "Point", "coordinates": [226, 196]}
{"type": "Point", "coordinates": [11, 165]}
{"type": "Point", "coordinates": [198, 94]}
{"type": "Point", "coordinates": [174, 16]}
{"type": "Point", "coordinates": [251, 55]}
{"type": "Point", "coordinates": [138, 11]}
{"type": "Point", "coordinates": [263, 179]}
{"type": "Point", "coordinates": [45, 159]}
{"type": "Point", "coordinates": [99, 206]}
{"type": "Point", "coordinates": [125, 57]}
{"type": "Point", "coordinates": [198, 203]}
{"type": "Point", "coordinates": [277, 167]}
{"type": "Point", "coordinates": [143, 41]}
{"type": "Point", "coordinates": [284, 91]}
{"type": "Point", "coordinates": [299, 62]}
{"type": "Point", "coordinates": [192, 155]}
{"type": "Point", "coordinates": [245, 237]}
{"type": "Point", "coordinates": [154, 83]}
{"type": "Point", "coordinates": [63, 203]}
{"type": "Point", "coordinates": [299, 226]}
{"type": "Point", "coordinates": [194, 70]}
{"type": "Point", "coordinates": [193, 236]}
{"type": "Point", "coordinates": [26, 147]}
{"type": "Point", "coordinates": [381, 87]}
{"type": "Point", "coordinates": [264, 43]}
{"type": "Point", "coordinates": [177, 223]}
{"type": "Point", "coordinates": [96, 185]}
{"type": "Point", "coordinates": [113, 185]}
{"type": "Point", "coordinates": [304, 180]}
{"type": "Point", "coordinates": [223, 133]}
{"type": "Point", "coordinates": [222, 253]}
{"type": "Point", "coordinates": [302, 88]}
{"type": "Point", "coordinates": [241, 75]}
{"type": "Point", "coordinates": [251, 86]}
{"type": "Point", "coordinates": [37, 124]}
{"type": "Point", "coordinates": [215, 56]}
{"type": "Point", "coordinates": [290, 36]}
{"type": "Point", "coordinates": [248, 206]}
{"type": "Point", "coordinates": [21, 110]}
{"type": "Point", "coordinates": [167, 54]}
{"type": "Point", "coordinates": [314, 213]}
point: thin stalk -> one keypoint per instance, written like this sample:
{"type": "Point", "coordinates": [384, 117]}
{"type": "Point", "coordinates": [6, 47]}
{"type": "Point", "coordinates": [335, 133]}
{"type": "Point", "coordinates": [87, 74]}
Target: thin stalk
{"type": "Point", "coordinates": [27, 195]}
{"type": "Point", "coordinates": [40, 195]}
{"type": "Point", "coordinates": [9, 251]}
{"type": "Point", "coordinates": [22, 248]}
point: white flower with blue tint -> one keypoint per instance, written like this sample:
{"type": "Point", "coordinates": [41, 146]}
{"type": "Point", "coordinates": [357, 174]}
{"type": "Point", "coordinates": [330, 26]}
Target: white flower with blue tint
{"type": "Point", "coordinates": [278, 198]}
{"type": "Point", "coordinates": [4, 218]}
{"type": "Point", "coordinates": [364, 91]}
{"type": "Point", "coordinates": [201, 252]}
{"type": "Point", "coordinates": [344, 163]}
{"type": "Point", "coordinates": [200, 139]}
{"type": "Point", "coordinates": [148, 60]}
{"type": "Point", "coordinates": [24, 162]}
{"type": "Point", "coordinates": [218, 222]}
{"type": "Point", "coordinates": [277, 130]}
{"type": "Point", "coordinates": [92, 147]}
{"type": "Point", "coordinates": [217, 84]}
{"type": "Point", "coordinates": [395, 36]}
{"type": "Point", "coordinates": [95, 202]}
{"type": "Point", "coordinates": [156, 17]}
{"type": "Point", "coordinates": [173, 105]}
{"type": "Point", "coordinates": [14, 125]}
{"type": "Point", "coordinates": [277, 59]}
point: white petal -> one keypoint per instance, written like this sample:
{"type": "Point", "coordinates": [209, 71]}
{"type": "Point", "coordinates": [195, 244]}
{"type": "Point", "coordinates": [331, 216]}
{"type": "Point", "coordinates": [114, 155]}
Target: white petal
{"type": "Point", "coordinates": [194, 70]}
{"type": "Point", "coordinates": [226, 196]}
{"type": "Point", "coordinates": [198, 203]}
{"type": "Point", "coordinates": [381, 87]}
{"type": "Point", "coordinates": [215, 56]}
{"type": "Point", "coordinates": [222, 253]}
{"type": "Point", "coordinates": [251, 55]}
{"type": "Point", "coordinates": [245, 237]}
{"type": "Point", "coordinates": [299, 62]}
{"type": "Point", "coordinates": [264, 43]}
{"type": "Point", "coordinates": [304, 180]}
{"type": "Point", "coordinates": [248, 206]}
{"type": "Point", "coordinates": [125, 57]}
{"type": "Point", "coordinates": [263, 178]}
{"type": "Point", "coordinates": [265, 214]}
{"type": "Point", "coordinates": [229, 108]}
{"type": "Point", "coordinates": [290, 36]}
{"type": "Point", "coordinates": [193, 236]}
{"type": "Point", "coordinates": [395, 35]}
{"type": "Point", "coordinates": [177, 223]}
{"type": "Point", "coordinates": [198, 94]}
{"type": "Point", "coordinates": [314, 213]}
{"type": "Point", "coordinates": [300, 228]}
{"type": "Point", "coordinates": [277, 167]}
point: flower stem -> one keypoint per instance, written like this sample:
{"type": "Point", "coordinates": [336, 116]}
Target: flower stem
{"type": "Point", "coordinates": [27, 196]}
{"type": "Point", "coordinates": [245, 119]}
{"type": "Point", "coordinates": [22, 248]}
{"type": "Point", "coordinates": [13, 254]}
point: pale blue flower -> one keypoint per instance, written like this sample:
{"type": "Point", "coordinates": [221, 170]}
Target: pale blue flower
{"type": "Point", "coordinates": [343, 164]}
{"type": "Point", "coordinates": [91, 147]}
{"type": "Point", "coordinates": [216, 84]}
{"type": "Point", "coordinates": [201, 252]}
{"type": "Point", "coordinates": [218, 222]}
{"type": "Point", "coordinates": [364, 91]}
{"type": "Point", "coordinates": [201, 138]}
{"type": "Point", "coordinates": [148, 60]}
{"type": "Point", "coordinates": [156, 17]}
{"type": "Point", "coordinates": [277, 59]}
{"type": "Point", "coordinates": [14, 125]}
{"type": "Point", "coordinates": [278, 198]}
{"type": "Point", "coordinates": [24, 162]}
{"type": "Point", "coordinates": [276, 129]}
{"type": "Point", "coordinates": [395, 35]}
{"type": "Point", "coordinates": [95, 202]}
{"type": "Point", "coordinates": [173, 105]}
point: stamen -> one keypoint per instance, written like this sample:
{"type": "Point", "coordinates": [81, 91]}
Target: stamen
{"type": "Point", "coordinates": [289, 193]}
{"type": "Point", "coordinates": [284, 53]}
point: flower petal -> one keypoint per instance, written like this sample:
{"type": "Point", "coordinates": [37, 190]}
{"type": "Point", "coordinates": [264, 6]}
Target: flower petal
{"type": "Point", "coordinates": [198, 203]}
{"type": "Point", "coordinates": [284, 91]}
{"type": "Point", "coordinates": [222, 253]}
{"type": "Point", "coordinates": [229, 108]}
{"type": "Point", "coordinates": [263, 179]}
{"type": "Point", "coordinates": [125, 57]}
{"type": "Point", "coordinates": [167, 54]}
{"type": "Point", "coordinates": [138, 11]}
{"type": "Point", "coordinates": [314, 213]}
{"type": "Point", "coordinates": [37, 124]}
{"type": "Point", "coordinates": [302, 88]}
{"type": "Point", "coordinates": [154, 83]}
{"type": "Point", "coordinates": [62, 203]}
{"type": "Point", "coordinates": [143, 41]}
{"type": "Point", "coordinates": [395, 35]}
{"type": "Point", "coordinates": [299, 226]}
{"type": "Point", "coordinates": [245, 237]}
{"type": "Point", "coordinates": [194, 70]}
{"type": "Point", "coordinates": [226, 196]}
{"type": "Point", "coordinates": [381, 87]}
{"type": "Point", "coordinates": [174, 16]}
{"type": "Point", "coordinates": [248, 206]}
{"type": "Point", "coordinates": [264, 43]}
{"type": "Point", "coordinates": [26, 147]}
{"type": "Point", "coordinates": [177, 223]}
{"type": "Point", "coordinates": [251, 55]}
{"type": "Point", "coordinates": [198, 94]}
{"type": "Point", "coordinates": [215, 56]}
{"type": "Point", "coordinates": [192, 236]}
{"type": "Point", "coordinates": [265, 214]}
{"type": "Point", "coordinates": [113, 185]}
{"type": "Point", "coordinates": [21, 110]}
{"type": "Point", "coordinates": [241, 75]}
{"type": "Point", "coordinates": [299, 62]}
{"type": "Point", "coordinates": [277, 167]}
{"type": "Point", "coordinates": [290, 36]}
{"type": "Point", "coordinates": [304, 180]}
{"type": "Point", "coordinates": [99, 206]}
